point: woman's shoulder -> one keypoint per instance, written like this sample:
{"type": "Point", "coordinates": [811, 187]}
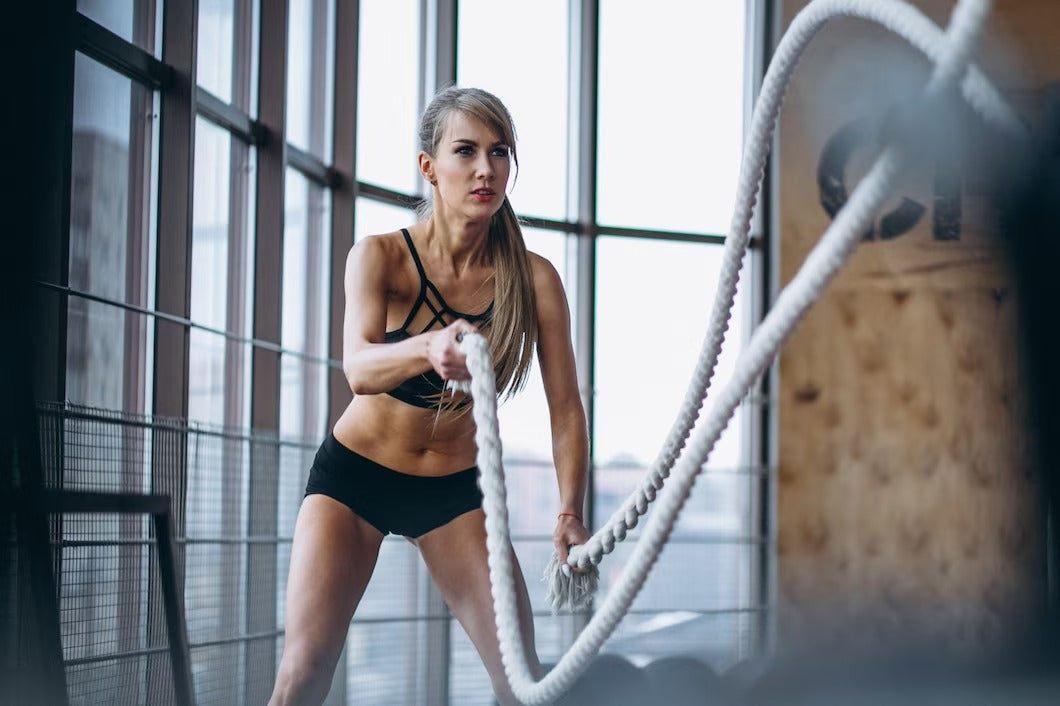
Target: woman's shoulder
{"type": "Point", "coordinates": [379, 249]}
{"type": "Point", "coordinates": [543, 272]}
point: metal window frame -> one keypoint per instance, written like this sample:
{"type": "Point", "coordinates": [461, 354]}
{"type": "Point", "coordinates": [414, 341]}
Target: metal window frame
{"type": "Point", "coordinates": [108, 48]}
{"type": "Point", "coordinates": [438, 69]}
{"type": "Point", "coordinates": [763, 33]}
{"type": "Point", "coordinates": [343, 193]}
{"type": "Point", "coordinates": [262, 565]}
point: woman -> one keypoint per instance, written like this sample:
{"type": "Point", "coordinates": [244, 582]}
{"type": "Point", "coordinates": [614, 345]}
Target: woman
{"type": "Point", "coordinates": [401, 457]}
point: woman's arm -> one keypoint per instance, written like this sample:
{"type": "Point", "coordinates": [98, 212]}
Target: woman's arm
{"type": "Point", "coordinates": [570, 435]}
{"type": "Point", "coordinates": [371, 366]}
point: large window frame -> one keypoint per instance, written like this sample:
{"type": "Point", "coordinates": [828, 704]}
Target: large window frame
{"type": "Point", "coordinates": [262, 129]}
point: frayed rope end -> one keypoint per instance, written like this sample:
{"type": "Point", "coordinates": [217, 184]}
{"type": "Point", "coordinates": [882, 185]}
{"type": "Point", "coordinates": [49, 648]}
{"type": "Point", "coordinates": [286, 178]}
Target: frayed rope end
{"type": "Point", "coordinates": [568, 588]}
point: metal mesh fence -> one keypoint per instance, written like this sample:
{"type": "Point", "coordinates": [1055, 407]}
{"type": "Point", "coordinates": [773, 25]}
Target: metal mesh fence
{"type": "Point", "coordinates": [106, 566]}
{"type": "Point", "coordinates": [235, 496]}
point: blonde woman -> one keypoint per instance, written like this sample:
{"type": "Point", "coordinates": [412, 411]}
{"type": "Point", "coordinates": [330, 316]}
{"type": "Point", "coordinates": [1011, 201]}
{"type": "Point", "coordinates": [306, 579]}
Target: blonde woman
{"type": "Point", "coordinates": [401, 458]}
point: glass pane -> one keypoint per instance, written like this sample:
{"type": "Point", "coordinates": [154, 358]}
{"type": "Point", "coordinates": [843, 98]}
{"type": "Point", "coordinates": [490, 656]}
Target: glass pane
{"type": "Point", "coordinates": [310, 66]}
{"type": "Point", "coordinates": [210, 225]}
{"type": "Point", "coordinates": [206, 380]}
{"type": "Point", "coordinates": [388, 80]}
{"type": "Point", "coordinates": [227, 56]}
{"type": "Point", "coordinates": [103, 345]}
{"type": "Point", "coordinates": [376, 218]}
{"type": "Point", "coordinates": [670, 114]}
{"type": "Point", "coordinates": [100, 198]}
{"type": "Point", "coordinates": [111, 238]}
{"type": "Point", "coordinates": [213, 70]}
{"type": "Point", "coordinates": [535, 92]}
{"type": "Point", "coordinates": [221, 277]}
{"type": "Point", "coordinates": [675, 283]}
{"type": "Point", "coordinates": [135, 21]}
{"type": "Point", "coordinates": [305, 308]}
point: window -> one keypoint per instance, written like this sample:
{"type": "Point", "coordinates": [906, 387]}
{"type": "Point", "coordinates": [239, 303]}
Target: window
{"type": "Point", "coordinates": [305, 309]}
{"type": "Point", "coordinates": [310, 52]}
{"type": "Point", "coordinates": [227, 59]}
{"type": "Point", "coordinates": [670, 124]}
{"type": "Point", "coordinates": [388, 94]}
{"type": "Point", "coordinates": [136, 21]}
{"type": "Point", "coordinates": [221, 279]}
{"type": "Point", "coordinates": [375, 218]}
{"type": "Point", "coordinates": [653, 301]}
{"type": "Point", "coordinates": [527, 69]}
{"type": "Point", "coordinates": [111, 239]}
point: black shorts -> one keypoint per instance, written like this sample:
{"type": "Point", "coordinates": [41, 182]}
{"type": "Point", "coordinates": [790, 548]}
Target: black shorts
{"type": "Point", "coordinates": [389, 500]}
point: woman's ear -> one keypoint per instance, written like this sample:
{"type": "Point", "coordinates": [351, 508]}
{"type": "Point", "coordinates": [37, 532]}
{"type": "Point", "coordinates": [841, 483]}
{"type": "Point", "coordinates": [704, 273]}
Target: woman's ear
{"type": "Point", "coordinates": [427, 168]}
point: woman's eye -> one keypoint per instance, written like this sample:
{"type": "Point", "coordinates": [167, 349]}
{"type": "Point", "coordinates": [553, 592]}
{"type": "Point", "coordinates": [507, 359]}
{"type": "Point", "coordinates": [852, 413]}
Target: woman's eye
{"type": "Point", "coordinates": [463, 150]}
{"type": "Point", "coordinates": [500, 151]}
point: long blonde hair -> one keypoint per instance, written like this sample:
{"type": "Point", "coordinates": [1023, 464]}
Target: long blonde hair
{"type": "Point", "coordinates": [512, 330]}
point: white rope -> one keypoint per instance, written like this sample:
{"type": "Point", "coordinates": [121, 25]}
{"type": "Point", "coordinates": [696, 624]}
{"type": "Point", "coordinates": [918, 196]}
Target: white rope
{"type": "Point", "coordinates": [950, 53]}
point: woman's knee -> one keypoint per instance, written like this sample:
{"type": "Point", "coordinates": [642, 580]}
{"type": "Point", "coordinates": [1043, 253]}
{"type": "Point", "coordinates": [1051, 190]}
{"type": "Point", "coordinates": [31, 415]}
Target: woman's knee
{"type": "Point", "coordinates": [304, 676]}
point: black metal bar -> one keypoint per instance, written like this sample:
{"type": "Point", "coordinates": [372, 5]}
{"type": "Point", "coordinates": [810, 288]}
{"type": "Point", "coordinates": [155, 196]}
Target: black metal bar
{"type": "Point", "coordinates": [184, 321]}
{"type": "Point", "coordinates": [586, 228]}
{"type": "Point", "coordinates": [767, 284]}
{"type": "Point", "coordinates": [236, 540]}
{"type": "Point", "coordinates": [174, 607]}
{"type": "Point", "coordinates": [81, 543]}
{"type": "Point", "coordinates": [661, 235]}
{"type": "Point", "coordinates": [313, 167]}
{"type": "Point", "coordinates": [343, 196]}
{"type": "Point", "coordinates": [230, 118]}
{"type": "Point", "coordinates": [584, 78]}
{"type": "Point", "coordinates": [445, 37]}
{"type": "Point", "coordinates": [67, 411]}
{"type": "Point", "coordinates": [185, 541]}
{"type": "Point", "coordinates": [267, 635]}
{"type": "Point", "coordinates": [385, 195]}
{"type": "Point", "coordinates": [259, 660]}
{"type": "Point", "coordinates": [126, 58]}
{"type": "Point", "coordinates": [114, 656]}
{"type": "Point", "coordinates": [551, 224]}
{"type": "Point", "coordinates": [70, 501]}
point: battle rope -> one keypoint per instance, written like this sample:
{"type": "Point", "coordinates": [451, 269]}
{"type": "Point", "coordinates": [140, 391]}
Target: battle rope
{"type": "Point", "coordinates": [950, 52]}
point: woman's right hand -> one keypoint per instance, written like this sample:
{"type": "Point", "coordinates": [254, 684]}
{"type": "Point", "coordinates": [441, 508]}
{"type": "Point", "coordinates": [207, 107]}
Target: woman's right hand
{"type": "Point", "coordinates": [444, 354]}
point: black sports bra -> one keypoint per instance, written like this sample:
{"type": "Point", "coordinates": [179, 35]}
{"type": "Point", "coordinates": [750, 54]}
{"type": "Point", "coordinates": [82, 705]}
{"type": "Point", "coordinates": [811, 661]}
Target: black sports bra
{"type": "Point", "coordinates": [424, 390]}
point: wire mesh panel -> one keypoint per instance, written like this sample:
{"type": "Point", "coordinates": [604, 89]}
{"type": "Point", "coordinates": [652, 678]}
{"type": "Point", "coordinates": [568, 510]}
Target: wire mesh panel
{"type": "Point", "coordinates": [114, 636]}
{"type": "Point", "coordinates": [110, 599]}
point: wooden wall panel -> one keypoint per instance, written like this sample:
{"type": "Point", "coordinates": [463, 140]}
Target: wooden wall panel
{"type": "Point", "coordinates": [907, 503]}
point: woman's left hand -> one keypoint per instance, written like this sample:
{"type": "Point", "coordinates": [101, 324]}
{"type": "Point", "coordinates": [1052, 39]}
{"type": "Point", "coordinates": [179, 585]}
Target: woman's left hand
{"type": "Point", "coordinates": [569, 531]}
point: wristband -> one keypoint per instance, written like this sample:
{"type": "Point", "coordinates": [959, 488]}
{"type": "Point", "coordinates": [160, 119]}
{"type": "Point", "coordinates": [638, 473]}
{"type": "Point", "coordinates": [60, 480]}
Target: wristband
{"type": "Point", "coordinates": [569, 514]}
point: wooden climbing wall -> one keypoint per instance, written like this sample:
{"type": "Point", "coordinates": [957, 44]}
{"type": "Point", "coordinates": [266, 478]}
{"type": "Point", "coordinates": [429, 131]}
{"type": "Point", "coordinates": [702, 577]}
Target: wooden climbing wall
{"type": "Point", "coordinates": [907, 505]}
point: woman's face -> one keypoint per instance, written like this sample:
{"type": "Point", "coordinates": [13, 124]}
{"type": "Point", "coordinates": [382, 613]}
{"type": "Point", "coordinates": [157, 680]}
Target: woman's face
{"type": "Point", "coordinates": [471, 167]}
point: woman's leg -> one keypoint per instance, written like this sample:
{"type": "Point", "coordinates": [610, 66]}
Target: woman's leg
{"type": "Point", "coordinates": [332, 558]}
{"type": "Point", "coordinates": [455, 554]}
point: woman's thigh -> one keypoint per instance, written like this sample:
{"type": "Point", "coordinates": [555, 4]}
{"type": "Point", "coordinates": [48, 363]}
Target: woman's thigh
{"type": "Point", "coordinates": [456, 556]}
{"type": "Point", "coordinates": [332, 558]}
